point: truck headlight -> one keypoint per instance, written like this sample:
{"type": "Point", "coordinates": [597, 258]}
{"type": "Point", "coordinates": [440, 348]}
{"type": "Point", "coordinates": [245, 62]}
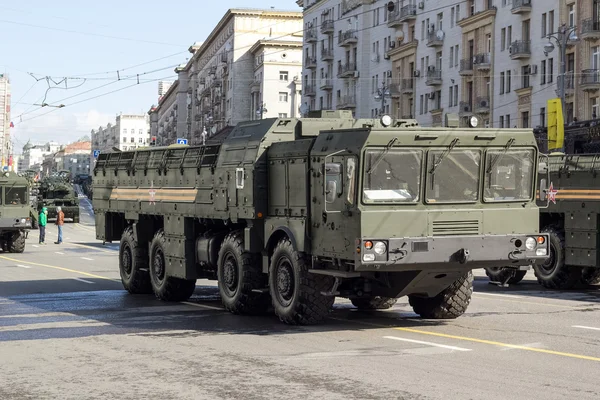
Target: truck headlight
{"type": "Point", "coordinates": [530, 243]}
{"type": "Point", "coordinates": [379, 248]}
{"type": "Point", "coordinates": [23, 220]}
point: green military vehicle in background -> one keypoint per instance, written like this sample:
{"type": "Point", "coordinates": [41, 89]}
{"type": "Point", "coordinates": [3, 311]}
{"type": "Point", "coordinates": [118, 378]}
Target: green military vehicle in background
{"type": "Point", "coordinates": [34, 186]}
{"type": "Point", "coordinates": [291, 213]}
{"type": "Point", "coordinates": [15, 212]}
{"type": "Point", "coordinates": [56, 190]}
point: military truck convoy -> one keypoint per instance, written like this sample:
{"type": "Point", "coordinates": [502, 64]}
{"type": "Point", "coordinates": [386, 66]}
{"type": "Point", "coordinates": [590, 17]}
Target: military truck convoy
{"type": "Point", "coordinates": [15, 212]}
{"type": "Point", "coordinates": [56, 190]}
{"type": "Point", "coordinates": [291, 213]}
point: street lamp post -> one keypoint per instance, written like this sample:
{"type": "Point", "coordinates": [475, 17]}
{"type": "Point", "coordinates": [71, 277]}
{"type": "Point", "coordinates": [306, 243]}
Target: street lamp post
{"type": "Point", "coordinates": [381, 94]}
{"type": "Point", "coordinates": [564, 35]}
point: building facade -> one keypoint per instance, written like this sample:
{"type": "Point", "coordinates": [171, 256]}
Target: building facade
{"type": "Point", "coordinates": [74, 157]}
{"type": "Point", "coordinates": [215, 87]}
{"type": "Point", "coordinates": [5, 139]}
{"type": "Point", "coordinates": [33, 156]}
{"type": "Point", "coordinates": [129, 132]}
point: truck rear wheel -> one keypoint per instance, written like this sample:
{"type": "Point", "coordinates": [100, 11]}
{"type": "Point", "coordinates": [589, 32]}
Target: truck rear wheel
{"type": "Point", "coordinates": [590, 276]}
{"type": "Point", "coordinates": [133, 264]}
{"type": "Point", "coordinates": [296, 293]}
{"type": "Point", "coordinates": [239, 274]}
{"type": "Point", "coordinates": [553, 273]}
{"type": "Point", "coordinates": [165, 287]}
{"type": "Point", "coordinates": [16, 243]}
{"type": "Point", "coordinates": [449, 304]}
{"type": "Point", "coordinates": [508, 275]}
{"type": "Point", "coordinates": [374, 303]}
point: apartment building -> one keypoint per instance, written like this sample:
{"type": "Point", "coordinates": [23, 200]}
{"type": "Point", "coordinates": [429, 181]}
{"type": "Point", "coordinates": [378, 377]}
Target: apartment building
{"type": "Point", "coordinates": [129, 132]}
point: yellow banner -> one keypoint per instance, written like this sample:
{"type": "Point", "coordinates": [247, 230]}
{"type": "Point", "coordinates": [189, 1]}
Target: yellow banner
{"type": "Point", "coordinates": [556, 124]}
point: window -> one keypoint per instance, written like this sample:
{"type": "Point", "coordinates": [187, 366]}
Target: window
{"type": "Point", "coordinates": [392, 177]}
{"type": "Point", "coordinates": [571, 8]}
{"type": "Point", "coordinates": [525, 76]}
{"type": "Point", "coordinates": [525, 119]}
{"type": "Point", "coordinates": [595, 61]}
{"type": "Point", "coordinates": [543, 116]}
{"type": "Point", "coordinates": [503, 39]}
{"type": "Point", "coordinates": [132, 139]}
{"type": "Point", "coordinates": [351, 179]}
{"type": "Point", "coordinates": [508, 175]}
{"type": "Point", "coordinates": [124, 131]}
{"type": "Point", "coordinates": [423, 30]}
{"type": "Point", "coordinates": [453, 177]}
{"type": "Point", "coordinates": [452, 17]}
{"type": "Point", "coordinates": [333, 181]}
{"type": "Point", "coordinates": [283, 97]}
{"type": "Point", "coordinates": [283, 76]}
{"type": "Point", "coordinates": [507, 120]}
{"type": "Point", "coordinates": [595, 107]}
{"type": "Point", "coordinates": [502, 83]}
{"type": "Point", "coordinates": [456, 56]}
{"type": "Point", "coordinates": [551, 21]}
{"type": "Point", "coordinates": [450, 96]}
{"type": "Point", "coordinates": [124, 140]}
{"type": "Point", "coordinates": [455, 95]}
{"type": "Point", "coordinates": [284, 115]}
{"type": "Point", "coordinates": [140, 140]}
{"type": "Point", "coordinates": [440, 21]}
{"type": "Point", "coordinates": [508, 83]}
{"type": "Point", "coordinates": [15, 196]}
{"type": "Point", "coordinates": [426, 106]}
{"type": "Point", "coordinates": [550, 66]}
{"type": "Point", "coordinates": [451, 58]}
{"type": "Point", "coordinates": [543, 24]}
{"type": "Point", "coordinates": [457, 13]}
{"type": "Point", "coordinates": [421, 105]}
{"type": "Point", "coordinates": [543, 74]}
{"type": "Point", "coordinates": [501, 121]}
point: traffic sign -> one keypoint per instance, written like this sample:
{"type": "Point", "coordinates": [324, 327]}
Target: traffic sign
{"type": "Point", "coordinates": [96, 153]}
{"type": "Point", "coordinates": [181, 141]}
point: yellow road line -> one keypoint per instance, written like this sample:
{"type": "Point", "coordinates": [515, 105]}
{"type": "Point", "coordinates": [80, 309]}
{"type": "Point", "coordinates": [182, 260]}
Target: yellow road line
{"type": "Point", "coordinates": [59, 268]}
{"type": "Point", "coordinates": [494, 343]}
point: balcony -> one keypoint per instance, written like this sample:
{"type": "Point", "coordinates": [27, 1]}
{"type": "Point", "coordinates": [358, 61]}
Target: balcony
{"type": "Point", "coordinates": [347, 38]}
{"type": "Point", "coordinates": [310, 35]}
{"type": "Point", "coordinates": [255, 86]}
{"type": "Point", "coordinates": [347, 70]}
{"type": "Point", "coordinates": [433, 40]}
{"type": "Point", "coordinates": [590, 29]}
{"type": "Point", "coordinates": [326, 84]}
{"type": "Point", "coordinates": [466, 67]}
{"type": "Point", "coordinates": [327, 26]}
{"type": "Point", "coordinates": [407, 86]}
{"type": "Point", "coordinates": [483, 61]}
{"type": "Point", "coordinates": [520, 49]}
{"type": "Point", "coordinates": [465, 108]}
{"type": "Point", "coordinates": [348, 101]}
{"type": "Point", "coordinates": [310, 62]}
{"type": "Point", "coordinates": [309, 90]}
{"type": "Point", "coordinates": [482, 105]}
{"type": "Point", "coordinates": [326, 54]}
{"type": "Point", "coordinates": [401, 15]}
{"type": "Point", "coordinates": [520, 6]}
{"type": "Point", "coordinates": [590, 80]}
{"type": "Point", "coordinates": [434, 77]}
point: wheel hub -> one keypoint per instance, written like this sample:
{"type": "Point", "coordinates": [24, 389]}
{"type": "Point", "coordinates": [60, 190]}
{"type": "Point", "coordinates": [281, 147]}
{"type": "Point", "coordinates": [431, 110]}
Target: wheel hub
{"type": "Point", "coordinates": [126, 260]}
{"type": "Point", "coordinates": [230, 275]}
{"type": "Point", "coordinates": [285, 282]}
{"type": "Point", "coordinates": [159, 265]}
{"type": "Point", "coordinates": [550, 263]}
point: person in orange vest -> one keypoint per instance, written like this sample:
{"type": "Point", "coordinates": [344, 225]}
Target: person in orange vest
{"type": "Point", "coordinates": [60, 221]}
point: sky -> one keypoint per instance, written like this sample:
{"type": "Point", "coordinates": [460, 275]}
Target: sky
{"type": "Point", "coordinates": [86, 43]}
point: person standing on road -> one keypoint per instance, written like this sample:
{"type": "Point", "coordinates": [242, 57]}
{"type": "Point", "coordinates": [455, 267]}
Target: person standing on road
{"type": "Point", "coordinates": [60, 221]}
{"type": "Point", "coordinates": [42, 224]}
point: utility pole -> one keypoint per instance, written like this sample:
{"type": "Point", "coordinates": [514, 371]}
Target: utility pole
{"type": "Point", "coordinates": [562, 37]}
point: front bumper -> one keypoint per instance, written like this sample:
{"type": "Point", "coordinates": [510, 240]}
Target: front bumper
{"type": "Point", "coordinates": [14, 223]}
{"type": "Point", "coordinates": [455, 252]}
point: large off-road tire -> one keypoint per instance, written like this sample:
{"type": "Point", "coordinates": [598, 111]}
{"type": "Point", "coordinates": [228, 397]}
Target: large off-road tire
{"type": "Point", "coordinates": [590, 276]}
{"type": "Point", "coordinates": [499, 274]}
{"type": "Point", "coordinates": [374, 303]}
{"type": "Point", "coordinates": [133, 264]}
{"type": "Point", "coordinates": [449, 304]}
{"type": "Point", "coordinates": [16, 243]}
{"type": "Point", "coordinates": [166, 288]}
{"type": "Point", "coordinates": [239, 273]}
{"type": "Point", "coordinates": [296, 293]}
{"type": "Point", "coordinates": [553, 273]}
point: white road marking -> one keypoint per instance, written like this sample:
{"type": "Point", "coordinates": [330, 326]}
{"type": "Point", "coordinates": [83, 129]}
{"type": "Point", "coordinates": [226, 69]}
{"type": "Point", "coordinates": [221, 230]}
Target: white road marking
{"type": "Point", "coordinates": [202, 306]}
{"type": "Point", "coordinates": [586, 327]}
{"type": "Point", "coordinates": [443, 346]}
{"type": "Point", "coordinates": [88, 259]}
{"type": "Point", "coordinates": [35, 245]}
{"type": "Point", "coordinates": [83, 280]}
{"type": "Point", "coordinates": [510, 296]}
{"type": "Point", "coordinates": [23, 266]}
{"type": "Point", "coordinates": [58, 252]}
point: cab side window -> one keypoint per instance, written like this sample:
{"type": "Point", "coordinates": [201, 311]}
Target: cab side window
{"type": "Point", "coordinates": [333, 182]}
{"type": "Point", "coordinates": [351, 179]}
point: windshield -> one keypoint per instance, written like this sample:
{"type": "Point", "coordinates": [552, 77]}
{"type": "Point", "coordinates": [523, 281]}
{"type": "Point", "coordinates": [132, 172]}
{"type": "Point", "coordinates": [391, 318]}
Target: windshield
{"type": "Point", "coordinates": [456, 179]}
{"type": "Point", "coordinates": [393, 177]}
{"type": "Point", "coordinates": [511, 175]}
{"type": "Point", "coordinates": [15, 196]}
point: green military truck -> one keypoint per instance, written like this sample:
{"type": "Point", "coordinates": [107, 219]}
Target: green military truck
{"type": "Point", "coordinates": [291, 213]}
{"type": "Point", "coordinates": [15, 212]}
{"type": "Point", "coordinates": [57, 191]}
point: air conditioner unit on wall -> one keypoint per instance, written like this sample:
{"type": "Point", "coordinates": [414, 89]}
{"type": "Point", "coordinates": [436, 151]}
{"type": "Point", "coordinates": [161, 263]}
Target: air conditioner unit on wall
{"type": "Point", "coordinates": [484, 103]}
{"type": "Point", "coordinates": [421, 5]}
{"type": "Point", "coordinates": [416, 73]}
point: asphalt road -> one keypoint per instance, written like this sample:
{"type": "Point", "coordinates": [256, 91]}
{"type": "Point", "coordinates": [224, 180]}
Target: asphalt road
{"type": "Point", "coordinates": [68, 330]}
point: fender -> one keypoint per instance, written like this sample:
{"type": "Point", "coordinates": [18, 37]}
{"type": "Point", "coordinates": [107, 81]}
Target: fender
{"type": "Point", "coordinates": [271, 242]}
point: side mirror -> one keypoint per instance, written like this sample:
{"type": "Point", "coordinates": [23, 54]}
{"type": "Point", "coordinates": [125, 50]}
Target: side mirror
{"type": "Point", "coordinates": [330, 191]}
{"type": "Point", "coordinates": [543, 189]}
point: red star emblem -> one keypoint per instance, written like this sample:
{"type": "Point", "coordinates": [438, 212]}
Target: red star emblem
{"type": "Point", "coordinates": [552, 193]}
{"type": "Point", "coordinates": [152, 193]}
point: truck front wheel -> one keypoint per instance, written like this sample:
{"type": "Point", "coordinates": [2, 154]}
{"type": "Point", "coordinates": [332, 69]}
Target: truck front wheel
{"type": "Point", "coordinates": [133, 264]}
{"type": "Point", "coordinates": [239, 275]}
{"type": "Point", "coordinates": [16, 244]}
{"type": "Point", "coordinates": [166, 287]}
{"type": "Point", "coordinates": [554, 273]}
{"type": "Point", "coordinates": [295, 292]}
{"type": "Point", "coordinates": [449, 304]}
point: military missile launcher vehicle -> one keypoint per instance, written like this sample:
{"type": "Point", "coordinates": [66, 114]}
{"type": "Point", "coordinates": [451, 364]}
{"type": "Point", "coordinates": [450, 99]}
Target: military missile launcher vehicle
{"type": "Point", "coordinates": [15, 212]}
{"type": "Point", "coordinates": [291, 213]}
{"type": "Point", "coordinates": [55, 191]}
